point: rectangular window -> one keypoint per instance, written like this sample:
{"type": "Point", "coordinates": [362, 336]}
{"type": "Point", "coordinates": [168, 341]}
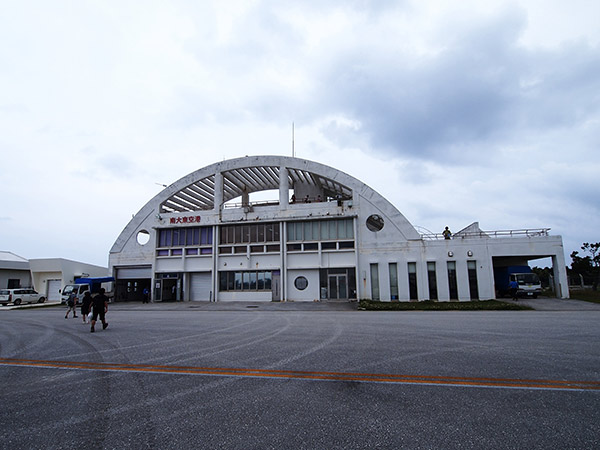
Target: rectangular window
{"type": "Point", "coordinates": [164, 239]}
{"type": "Point", "coordinates": [316, 230]}
{"type": "Point", "coordinates": [393, 267]}
{"type": "Point", "coordinates": [452, 283]}
{"type": "Point", "coordinates": [245, 281]}
{"type": "Point", "coordinates": [324, 231]}
{"type": "Point", "coordinates": [254, 233]}
{"type": "Point", "coordinates": [180, 237]}
{"type": "Point", "coordinates": [269, 232]}
{"type": "Point", "coordinates": [333, 234]}
{"type": "Point", "coordinates": [245, 234]}
{"type": "Point", "coordinates": [412, 281]}
{"type": "Point", "coordinates": [260, 281]}
{"type": "Point", "coordinates": [191, 251]}
{"type": "Point", "coordinates": [375, 282]}
{"type": "Point", "coordinates": [473, 288]}
{"type": "Point", "coordinates": [308, 235]}
{"type": "Point", "coordinates": [432, 281]}
{"type": "Point", "coordinates": [310, 246]}
{"type": "Point", "coordinates": [223, 281]}
{"type": "Point", "coordinates": [273, 248]}
{"type": "Point", "coordinates": [328, 245]}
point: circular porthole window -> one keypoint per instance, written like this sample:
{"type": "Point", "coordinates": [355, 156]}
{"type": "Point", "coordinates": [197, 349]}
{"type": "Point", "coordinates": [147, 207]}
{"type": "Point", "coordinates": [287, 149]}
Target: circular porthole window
{"type": "Point", "coordinates": [301, 283]}
{"type": "Point", "coordinates": [375, 222]}
{"type": "Point", "coordinates": [143, 237]}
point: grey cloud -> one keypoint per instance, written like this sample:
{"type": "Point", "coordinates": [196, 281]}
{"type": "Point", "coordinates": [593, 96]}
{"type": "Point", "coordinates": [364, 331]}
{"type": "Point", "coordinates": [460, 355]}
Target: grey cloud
{"type": "Point", "coordinates": [483, 88]}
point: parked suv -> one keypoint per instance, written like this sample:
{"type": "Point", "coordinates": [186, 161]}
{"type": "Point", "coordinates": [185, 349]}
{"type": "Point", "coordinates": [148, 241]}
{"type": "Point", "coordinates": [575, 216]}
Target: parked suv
{"type": "Point", "coordinates": [21, 295]}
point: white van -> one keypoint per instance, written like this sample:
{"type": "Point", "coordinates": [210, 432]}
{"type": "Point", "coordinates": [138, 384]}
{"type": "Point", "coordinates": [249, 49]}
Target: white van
{"type": "Point", "coordinates": [21, 295]}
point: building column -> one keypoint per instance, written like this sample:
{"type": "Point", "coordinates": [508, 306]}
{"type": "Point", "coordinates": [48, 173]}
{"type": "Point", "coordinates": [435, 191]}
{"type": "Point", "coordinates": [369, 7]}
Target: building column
{"type": "Point", "coordinates": [561, 282]}
{"type": "Point", "coordinates": [218, 196]}
{"type": "Point", "coordinates": [284, 188]}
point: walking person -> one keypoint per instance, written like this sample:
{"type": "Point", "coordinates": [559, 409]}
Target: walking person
{"type": "Point", "coordinates": [86, 305]}
{"type": "Point", "coordinates": [99, 308]}
{"type": "Point", "coordinates": [72, 304]}
{"type": "Point", "coordinates": [514, 289]}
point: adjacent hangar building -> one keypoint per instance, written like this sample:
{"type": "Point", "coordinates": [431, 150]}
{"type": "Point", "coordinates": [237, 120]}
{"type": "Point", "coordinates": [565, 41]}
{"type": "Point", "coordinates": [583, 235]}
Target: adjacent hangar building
{"type": "Point", "coordinates": [276, 228]}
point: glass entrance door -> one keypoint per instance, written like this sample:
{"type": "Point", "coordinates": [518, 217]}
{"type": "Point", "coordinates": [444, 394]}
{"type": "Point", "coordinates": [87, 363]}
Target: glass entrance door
{"type": "Point", "coordinates": [338, 287]}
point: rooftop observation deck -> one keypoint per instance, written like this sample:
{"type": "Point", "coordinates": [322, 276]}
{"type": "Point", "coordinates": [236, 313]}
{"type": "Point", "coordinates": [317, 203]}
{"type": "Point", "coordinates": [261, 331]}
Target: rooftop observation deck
{"type": "Point", "coordinates": [529, 232]}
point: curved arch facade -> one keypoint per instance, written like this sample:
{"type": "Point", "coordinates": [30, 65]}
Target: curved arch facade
{"type": "Point", "coordinates": [320, 235]}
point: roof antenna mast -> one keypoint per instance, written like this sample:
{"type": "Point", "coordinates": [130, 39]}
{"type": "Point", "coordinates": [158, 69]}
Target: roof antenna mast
{"type": "Point", "coordinates": [293, 150]}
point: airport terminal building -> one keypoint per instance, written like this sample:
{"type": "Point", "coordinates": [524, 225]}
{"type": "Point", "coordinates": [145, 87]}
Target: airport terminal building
{"type": "Point", "coordinates": [322, 236]}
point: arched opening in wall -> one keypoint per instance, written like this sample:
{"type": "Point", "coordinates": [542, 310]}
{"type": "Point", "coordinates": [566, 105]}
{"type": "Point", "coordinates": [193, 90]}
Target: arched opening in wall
{"type": "Point", "coordinates": [375, 222]}
{"type": "Point", "coordinates": [143, 237]}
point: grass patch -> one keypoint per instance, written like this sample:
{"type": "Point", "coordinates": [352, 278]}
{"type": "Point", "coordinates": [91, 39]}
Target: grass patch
{"type": "Point", "coordinates": [485, 305]}
{"type": "Point", "coordinates": [585, 294]}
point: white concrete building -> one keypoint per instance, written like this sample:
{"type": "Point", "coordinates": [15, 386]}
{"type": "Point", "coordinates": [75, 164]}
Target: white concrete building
{"type": "Point", "coordinates": [50, 275]}
{"type": "Point", "coordinates": [14, 271]}
{"type": "Point", "coordinates": [324, 236]}
{"type": "Point", "coordinates": [46, 275]}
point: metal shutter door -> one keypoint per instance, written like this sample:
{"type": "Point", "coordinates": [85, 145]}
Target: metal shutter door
{"type": "Point", "coordinates": [130, 273]}
{"type": "Point", "coordinates": [53, 287]}
{"type": "Point", "coordinates": [200, 286]}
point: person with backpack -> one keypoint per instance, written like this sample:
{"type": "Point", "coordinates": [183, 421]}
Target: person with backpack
{"type": "Point", "coordinates": [86, 305]}
{"type": "Point", "coordinates": [72, 303]}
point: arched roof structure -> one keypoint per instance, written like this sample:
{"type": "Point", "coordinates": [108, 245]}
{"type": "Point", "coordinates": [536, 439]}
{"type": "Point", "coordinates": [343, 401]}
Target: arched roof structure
{"type": "Point", "coordinates": [197, 190]}
{"type": "Point", "coordinates": [243, 176]}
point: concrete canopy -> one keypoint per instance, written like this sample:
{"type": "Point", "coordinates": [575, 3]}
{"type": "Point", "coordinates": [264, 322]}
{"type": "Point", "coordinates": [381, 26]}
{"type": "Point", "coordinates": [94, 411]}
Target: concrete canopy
{"type": "Point", "coordinates": [196, 192]}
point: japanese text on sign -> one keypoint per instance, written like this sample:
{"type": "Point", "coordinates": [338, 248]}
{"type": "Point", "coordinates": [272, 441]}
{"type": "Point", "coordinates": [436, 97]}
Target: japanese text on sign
{"type": "Point", "coordinates": [187, 219]}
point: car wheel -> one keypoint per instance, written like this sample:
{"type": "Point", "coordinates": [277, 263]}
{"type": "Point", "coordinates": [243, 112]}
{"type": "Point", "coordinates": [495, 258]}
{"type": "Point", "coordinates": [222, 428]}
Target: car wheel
{"type": "Point", "coordinates": [42, 300]}
{"type": "Point", "coordinates": [17, 302]}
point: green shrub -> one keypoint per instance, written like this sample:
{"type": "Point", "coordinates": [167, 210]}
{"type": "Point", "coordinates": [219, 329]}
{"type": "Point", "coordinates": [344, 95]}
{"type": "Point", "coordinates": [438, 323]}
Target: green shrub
{"type": "Point", "coordinates": [485, 305]}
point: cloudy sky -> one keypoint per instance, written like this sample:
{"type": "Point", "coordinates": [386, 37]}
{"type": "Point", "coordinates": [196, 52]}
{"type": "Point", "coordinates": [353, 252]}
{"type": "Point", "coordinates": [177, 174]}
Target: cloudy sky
{"type": "Point", "coordinates": [455, 111]}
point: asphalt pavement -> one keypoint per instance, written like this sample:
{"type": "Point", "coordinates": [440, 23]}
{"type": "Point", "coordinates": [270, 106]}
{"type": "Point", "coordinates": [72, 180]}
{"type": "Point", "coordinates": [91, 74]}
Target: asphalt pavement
{"type": "Point", "coordinates": [187, 375]}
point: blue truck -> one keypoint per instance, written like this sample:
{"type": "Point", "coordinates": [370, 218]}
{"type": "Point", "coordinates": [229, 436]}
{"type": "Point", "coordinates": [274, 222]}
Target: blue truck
{"type": "Point", "coordinates": [92, 284]}
{"type": "Point", "coordinates": [529, 282]}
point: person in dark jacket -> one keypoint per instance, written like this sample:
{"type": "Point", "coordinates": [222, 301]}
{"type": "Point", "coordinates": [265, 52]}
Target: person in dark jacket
{"type": "Point", "coordinates": [72, 304]}
{"type": "Point", "coordinates": [99, 308]}
{"type": "Point", "coordinates": [86, 305]}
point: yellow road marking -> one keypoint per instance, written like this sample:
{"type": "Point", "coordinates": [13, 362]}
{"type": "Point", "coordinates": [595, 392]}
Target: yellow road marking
{"type": "Point", "coordinates": [312, 375]}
